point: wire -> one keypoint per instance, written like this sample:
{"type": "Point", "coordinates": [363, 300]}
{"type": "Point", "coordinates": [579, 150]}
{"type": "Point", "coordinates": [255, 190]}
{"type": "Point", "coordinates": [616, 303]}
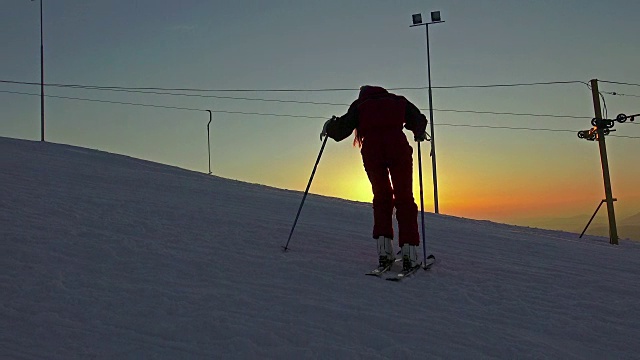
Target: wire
{"type": "Point", "coordinates": [282, 115]}
{"type": "Point", "coordinates": [604, 104]}
{"type": "Point", "coordinates": [162, 106]}
{"type": "Point", "coordinates": [528, 129]}
{"type": "Point", "coordinates": [618, 83]}
{"type": "Point", "coordinates": [496, 85]}
{"type": "Point", "coordinates": [287, 90]}
{"type": "Point", "coordinates": [619, 94]}
{"type": "Point", "coordinates": [325, 103]}
{"type": "Point", "coordinates": [507, 127]}
{"type": "Point", "coordinates": [514, 114]}
{"type": "Point", "coordinates": [215, 96]}
{"type": "Point", "coordinates": [103, 101]}
{"type": "Point", "coordinates": [624, 136]}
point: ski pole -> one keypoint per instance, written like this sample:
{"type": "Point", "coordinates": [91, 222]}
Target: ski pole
{"type": "Point", "coordinates": [424, 245]}
{"type": "Point", "coordinates": [286, 247]}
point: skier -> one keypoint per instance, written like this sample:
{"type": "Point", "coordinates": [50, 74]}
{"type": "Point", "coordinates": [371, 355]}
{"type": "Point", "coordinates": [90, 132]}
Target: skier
{"type": "Point", "coordinates": [377, 117]}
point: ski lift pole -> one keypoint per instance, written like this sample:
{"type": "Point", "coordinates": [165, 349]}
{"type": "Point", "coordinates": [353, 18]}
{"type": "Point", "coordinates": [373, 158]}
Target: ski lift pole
{"type": "Point", "coordinates": [286, 247]}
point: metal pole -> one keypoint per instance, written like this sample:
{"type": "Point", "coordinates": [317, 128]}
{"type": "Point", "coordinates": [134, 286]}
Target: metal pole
{"type": "Point", "coordinates": [41, 78]}
{"type": "Point", "coordinates": [433, 135]}
{"type": "Point", "coordinates": [590, 220]}
{"type": "Point", "coordinates": [286, 247]}
{"type": "Point", "coordinates": [593, 216]}
{"type": "Point", "coordinates": [208, 141]}
{"type": "Point", "coordinates": [424, 244]}
{"type": "Point", "coordinates": [613, 232]}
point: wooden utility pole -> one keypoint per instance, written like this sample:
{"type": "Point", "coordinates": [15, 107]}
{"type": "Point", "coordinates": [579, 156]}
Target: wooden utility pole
{"type": "Point", "coordinates": [613, 231]}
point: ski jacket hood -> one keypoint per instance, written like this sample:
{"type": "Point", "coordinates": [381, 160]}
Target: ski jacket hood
{"type": "Point", "coordinates": [370, 90]}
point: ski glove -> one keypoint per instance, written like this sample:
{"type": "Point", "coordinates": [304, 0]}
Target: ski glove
{"type": "Point", "coordinates": [324, 128]}
{"type": "Point", "coordinates": [422, 137]}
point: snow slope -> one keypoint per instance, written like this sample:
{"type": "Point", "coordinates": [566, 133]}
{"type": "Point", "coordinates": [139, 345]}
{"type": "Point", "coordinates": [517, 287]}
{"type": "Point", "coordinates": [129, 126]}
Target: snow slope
{"type": "Point", "coordinates": [109, 257]}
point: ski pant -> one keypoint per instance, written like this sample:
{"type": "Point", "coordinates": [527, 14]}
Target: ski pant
{"type": "Point", "coordinates": [389, 165]}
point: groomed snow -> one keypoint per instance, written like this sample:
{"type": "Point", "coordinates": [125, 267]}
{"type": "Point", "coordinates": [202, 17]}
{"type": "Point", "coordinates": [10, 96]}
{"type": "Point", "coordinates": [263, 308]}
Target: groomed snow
{"type": "Point", "coordinates": [105, 256]}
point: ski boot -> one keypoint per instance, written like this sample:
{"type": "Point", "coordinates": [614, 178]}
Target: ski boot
{"type": "Point", "coordinates": [409, 257]}
{"type": "Point", "coordinates": [385, 252]}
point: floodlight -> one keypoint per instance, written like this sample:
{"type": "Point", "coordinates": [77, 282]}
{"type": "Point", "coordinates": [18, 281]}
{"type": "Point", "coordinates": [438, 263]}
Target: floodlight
{"type": "Point", "coordinates": [435, 16]}
{"type": "Point", "coordinates": [417, 19]}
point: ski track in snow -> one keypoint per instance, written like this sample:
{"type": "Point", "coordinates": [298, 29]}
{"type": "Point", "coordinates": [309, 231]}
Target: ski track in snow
{"type": "Point", "coordinates": [105, 256]}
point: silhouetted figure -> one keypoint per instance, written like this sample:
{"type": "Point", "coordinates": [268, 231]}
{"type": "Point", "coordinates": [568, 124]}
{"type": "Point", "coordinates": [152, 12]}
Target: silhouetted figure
{"type": "Point", "coordinates": [378, 118]}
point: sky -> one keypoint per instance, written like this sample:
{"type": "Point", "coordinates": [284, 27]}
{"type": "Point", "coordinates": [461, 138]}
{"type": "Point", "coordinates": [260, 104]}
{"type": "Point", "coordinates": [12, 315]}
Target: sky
{"type": "Point", "coordinates": [135, 262]}
{"type": "Point", "coordinates": [507, 175]}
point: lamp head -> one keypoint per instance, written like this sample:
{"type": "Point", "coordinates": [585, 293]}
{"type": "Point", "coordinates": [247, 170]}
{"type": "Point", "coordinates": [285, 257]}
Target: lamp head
{"type": "Point", "coordinates": [417, 19]}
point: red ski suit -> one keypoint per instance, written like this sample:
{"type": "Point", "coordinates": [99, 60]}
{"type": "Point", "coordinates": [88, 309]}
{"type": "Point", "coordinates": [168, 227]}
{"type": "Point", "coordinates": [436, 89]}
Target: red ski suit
{"type": "Point", "coordinates": [378, 118]}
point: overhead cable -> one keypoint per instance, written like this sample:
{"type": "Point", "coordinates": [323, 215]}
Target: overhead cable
{"type": "Point", "coordinates": [288, 90]}
{"type": "Point", "coordinates": [279, 115]}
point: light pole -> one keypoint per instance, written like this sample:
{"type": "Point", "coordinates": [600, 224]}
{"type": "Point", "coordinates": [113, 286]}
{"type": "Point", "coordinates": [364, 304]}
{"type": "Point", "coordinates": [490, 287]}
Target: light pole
{"type": "Point", "coordinates": [417, 21]}
{"type": "Point", "coordinates": [41, 77]}
{"type": "Point", "coordinates": [208, 139]}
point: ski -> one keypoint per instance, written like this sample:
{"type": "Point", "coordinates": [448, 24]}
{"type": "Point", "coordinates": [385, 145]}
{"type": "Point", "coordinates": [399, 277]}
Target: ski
{"type": "Point", "coordinates": [406, 273]}
{"type": "Point", "coordinates": [382, 269]}
{"type": "Point", "coordinates": [430, 261]}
